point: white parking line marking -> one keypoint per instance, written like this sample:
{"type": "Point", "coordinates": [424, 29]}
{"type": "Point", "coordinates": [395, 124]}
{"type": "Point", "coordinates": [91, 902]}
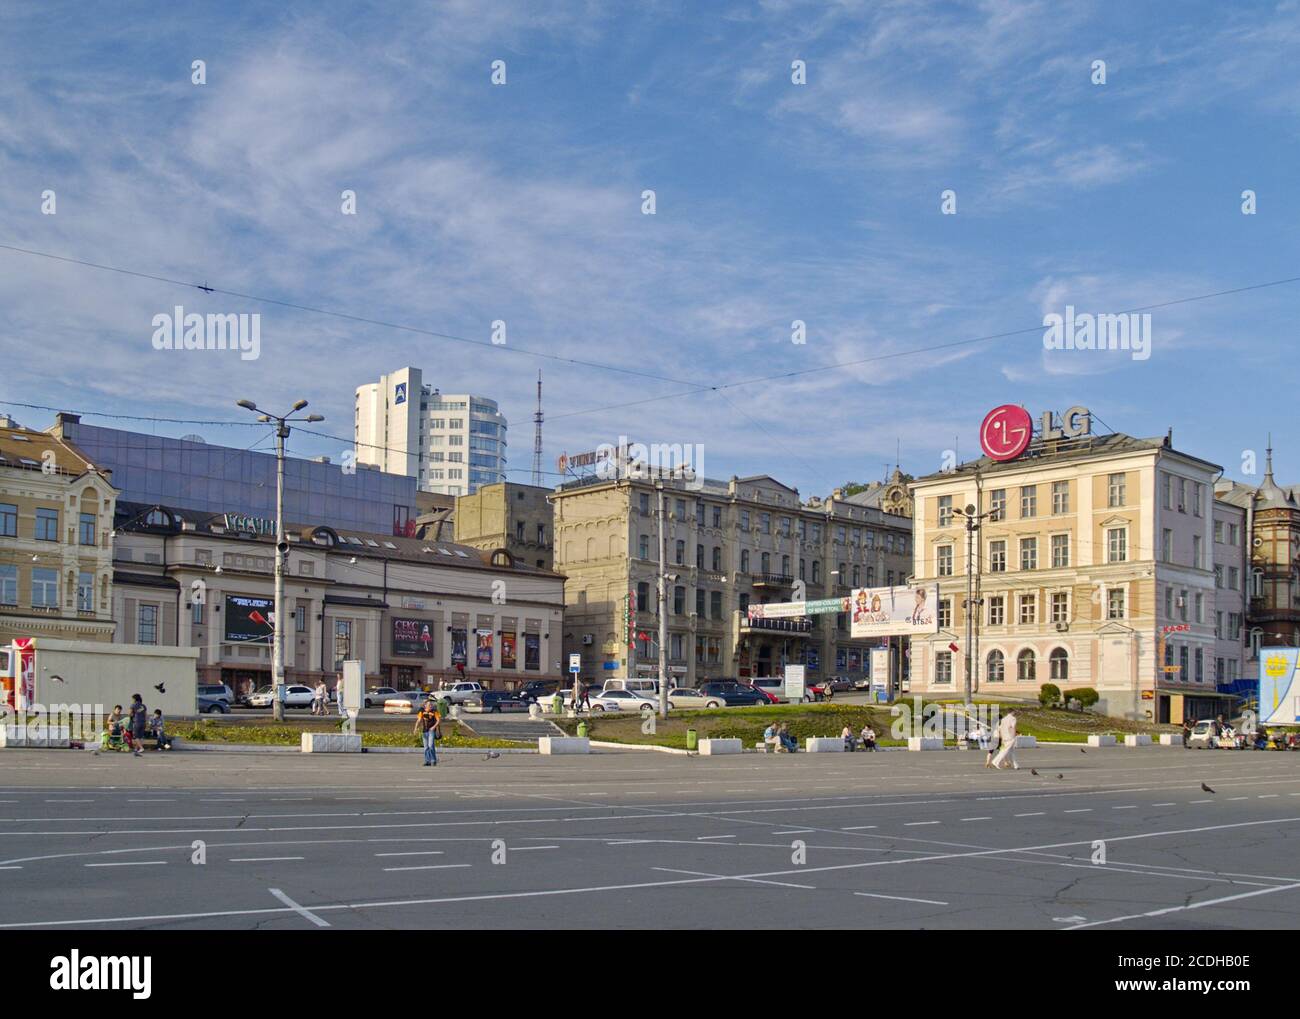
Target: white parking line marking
{"type": "Point", "coordinates": [525, 849]}
{"type": "Point", "coordinates": [263, 859]}
{"type": "Point", "coordinates": [432, 866]}
{"type": "Point", "coordinates": [1159, 805]}
{"type": "Point", "coordinates": [1200, 801]}
{"type": "Point", "coordinates": [856, 827]}
{"type": "Point", "coordinates": [977, 819]}
{"type": "Point", "coordinates": [1194, 905]}
{"type": "Point", "coordinates": [133, 863]}
{"type": "Point", "coordinates": [1080, 810]}
{"type": "Point", "coordinates": [794, 831]}
{"type": "Point", "coordinates": [1267, 796]}
{"type": "Point", "coordinates": [300, 910]}
{"type": "Point", "coordinates": [69, 801]}
{"type": "Point", "coordinates": [422, 852]}
{"type": "Point", "coordinates": [901, 898]}
{"type": "Point", "coordinates": [1036, 813]}
{"type": "Point", "coordinates": [913, 824]}
{"type": "Point", "coordinates": [1131, 806]}
{"type": "Point", "coordinates": [703, 838]}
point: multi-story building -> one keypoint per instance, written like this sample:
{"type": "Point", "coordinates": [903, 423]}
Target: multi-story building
{"type": "Point", "coordinates": [451, 443]}
{"type": "Point", "coordinates": [1098, 551]}
{"type": "Point", "coordinates": [56, 539]}
{"type": "Point", "coordinates": [414, 612]}
{"type": "Point", "coordinates": [728, 544]}
{"type": "Point", "coordinates": [518, 518]}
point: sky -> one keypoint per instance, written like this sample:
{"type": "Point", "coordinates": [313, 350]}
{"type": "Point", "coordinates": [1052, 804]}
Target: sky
{"type": "Point", "coordinates": [946, 172]}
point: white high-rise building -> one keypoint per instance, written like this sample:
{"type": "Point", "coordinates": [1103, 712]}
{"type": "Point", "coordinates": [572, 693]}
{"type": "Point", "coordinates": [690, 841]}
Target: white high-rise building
{"type": "Point", "coordinates": [452, 443]}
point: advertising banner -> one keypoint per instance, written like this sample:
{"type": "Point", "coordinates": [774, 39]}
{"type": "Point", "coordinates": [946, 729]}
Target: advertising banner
{"type": "Point", "coordinates": [459, 648]}
{"type": "Point", "coordinates": [894, 611]}
{"type": "Point", "coordinates": [508, 660]}
{"type": "Point", "coordinates": [483, 653]}
{"type": "Point", "coordinates": [249, 620]}
{"type": "Point", "coordinates": [532, 652]}
{"type": "Point", "coordinates": [412, 638]}
{"type": "Point", "coordinates": [796, 609]}
{"type": "Point", "coordinates": [1279, 691]}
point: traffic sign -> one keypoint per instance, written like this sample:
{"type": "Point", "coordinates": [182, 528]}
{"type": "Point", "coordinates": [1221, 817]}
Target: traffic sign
{"type": "Point", "coordinates": [575, 663]}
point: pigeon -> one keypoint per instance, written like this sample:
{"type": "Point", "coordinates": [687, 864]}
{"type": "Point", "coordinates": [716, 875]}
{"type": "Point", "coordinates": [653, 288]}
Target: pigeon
{"type": "Point", "coordinates": [161, 688]}
{"type": "Point", "coordinates": [1205, 788]}
{"type": "Point", "coordinates": [1060, 776]}
{"type": "Point", "coordinates": [491, 755]}
{"type": "Point", "coordinates": [1033, 771]}
{"type": "Point", "coordinates": [1082, 751]}
{"type": "Point", "coordinates": [57, 679]}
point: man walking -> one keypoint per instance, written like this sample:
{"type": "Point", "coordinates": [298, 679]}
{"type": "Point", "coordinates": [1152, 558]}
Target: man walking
{"type": "Point", "coordinates": [139, 722]}
{"type": "Point", "coordinates": [322, 698]}
{"type": "Point", "coordinates": [1187, 733]}
{"type": "Point", "coordinates": [1007, 737]}
{"type": "Point", "coordinates": [426, 724]}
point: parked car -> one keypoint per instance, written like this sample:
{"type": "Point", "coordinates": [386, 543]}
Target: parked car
{"type": "Point", "coordinates": [378, 696]}
{"type": "Point", "coordinates": [536, 688]}
{"type": "Point", "coordinates": [839, 684]}
{"type": "Point", "coordinates": [862, 683]}
{"type": "Point", "coordinates": [623, 700]}
{"type": "Point", "coordinates": [768, 696]}
{"type": "Point", "coordinates": [213, 705]}
{"type": "Point", "coordinates": [404, 702]}
{"type": "Point", "coordinates": [689, 697]}
{"type": "Point", "coordinates": [1204, 734]}
{"type": "Point", "coordinates": [645, 687]}
{"type": "Point", "coordinates": [217, 691]}
{"type": "Point", "coordinates": [773, 686]}
{"type": "Point", "coordinates": [734, 695]}
{"type": "Point", "coordinates": [497, 701]}
{"type": "Point", "coordinates": [295, 696]}
{"type": "Point", "coordinates": [459, 692]}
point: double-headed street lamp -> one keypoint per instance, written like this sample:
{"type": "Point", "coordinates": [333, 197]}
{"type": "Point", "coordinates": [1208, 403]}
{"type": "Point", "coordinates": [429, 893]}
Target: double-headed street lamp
{"type": "Point", "coordinates": [281, 422]}
{"type": "Point", "coordinates": [973, 601]}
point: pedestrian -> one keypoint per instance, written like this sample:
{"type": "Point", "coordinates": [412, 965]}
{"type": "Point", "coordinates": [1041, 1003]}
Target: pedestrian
{"type": "Point", "coordinates": [868, 736]}
{"type": "Point", "coordinates": [157, 726]}
{"type": "Point", "coordinates": [1187, 734]}
{"type": "Point", "coordinates": [321, 699]}
{"type": "Point", "coordinates": [426, 724]}
{"type": "Point", "coordinates": [991, 744]}
{"type": "Point", "coordinates": [338, 692]}
{"type": "Point", "coordinates": [1007, 737]}
{"type": "Point", "coordinates": [139, 722]}
{"type": "Point", "coordinates": [584, 702]}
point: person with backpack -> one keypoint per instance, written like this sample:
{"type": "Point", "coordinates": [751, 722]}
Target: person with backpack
{"type": "Point", "coordinates": [426, 724]}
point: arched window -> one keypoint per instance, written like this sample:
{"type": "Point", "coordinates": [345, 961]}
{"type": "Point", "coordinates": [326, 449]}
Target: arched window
{"type": "Point", "coordinates": [1026, 666]}
{"type": "Point", "coordinates": [997, 667]}
{"type": "Point", "coordinates": [1060, 665]}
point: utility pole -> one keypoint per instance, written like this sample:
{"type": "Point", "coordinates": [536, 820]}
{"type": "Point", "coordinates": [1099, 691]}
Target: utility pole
{"type": "Point", "coordinates": [281, 422]}
{"type": "Point", "coordinates": [972, 604]}
{"type": "Point", "coordinates": [663, 605]}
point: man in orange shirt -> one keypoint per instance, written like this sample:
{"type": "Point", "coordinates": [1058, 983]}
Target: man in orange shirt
{"type": "Point", "coordinates": [426, 724]}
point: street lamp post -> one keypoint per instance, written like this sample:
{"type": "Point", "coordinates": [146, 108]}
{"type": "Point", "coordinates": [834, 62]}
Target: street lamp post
{"type": "Point", "coordinates": [663, 605]}
{"type": "Point", "coordinates": [972, 604]}
{"type": "Point", "coordinates": [281, 422]}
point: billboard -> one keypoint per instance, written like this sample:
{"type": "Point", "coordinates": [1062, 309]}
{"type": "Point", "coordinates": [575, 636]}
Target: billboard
{"type": "Point", "coordinates": [249, 620]}
{"type": "Point", "coordinates": [1279, 691]}
{"type": "Point", "coordinates": [532, 651]}
{"type": "Point", "coordinates": [412, 638]}
{"type": "Point", "coordinates": [894, 611]}
{"type": "Point", "coordinates": [483, 649]}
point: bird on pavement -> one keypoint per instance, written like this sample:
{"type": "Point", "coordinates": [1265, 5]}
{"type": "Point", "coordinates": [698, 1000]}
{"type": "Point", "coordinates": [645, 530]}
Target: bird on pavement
{"type": "Point", "coordinates": [1205, 788]}
{"type": "Point", "coordinates": [1060, 776]}
{"type": "Point", "coordinates": [1033, 771]}
{"type": "Point", "coordinates": [161, 687]}
{"type": "Point", "coordinates": [491, 755]}
{"type": "Point", "coordinates": [1082, 751]}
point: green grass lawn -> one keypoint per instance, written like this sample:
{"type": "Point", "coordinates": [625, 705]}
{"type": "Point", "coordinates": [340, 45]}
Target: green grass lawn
{"type": "Point", "coordinates": [375, 732]}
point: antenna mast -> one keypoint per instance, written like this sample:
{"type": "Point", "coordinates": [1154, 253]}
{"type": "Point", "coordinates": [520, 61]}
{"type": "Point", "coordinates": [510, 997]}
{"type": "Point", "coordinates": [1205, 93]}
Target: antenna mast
{"type": "Point", "coordinates": [537, 435]}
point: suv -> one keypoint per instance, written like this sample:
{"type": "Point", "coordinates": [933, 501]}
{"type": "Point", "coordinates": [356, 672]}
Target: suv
{"type": "Point", "coordinates": [217, 692]}
{"type": "Point", "coordinates": [535, 688]}
{"type": "Point", "coordinates": [459, 693]}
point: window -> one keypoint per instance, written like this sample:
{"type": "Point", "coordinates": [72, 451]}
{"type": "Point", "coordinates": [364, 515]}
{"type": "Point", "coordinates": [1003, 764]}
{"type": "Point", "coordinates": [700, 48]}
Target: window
{"type": "Point", "coordinates": [1196, 552]}
{"type": "Point", "coordinates": [8, 520]}
{"type": "Point", "coordinates": [47, 525]}
{"type": "Point", "coordinates": [1116, 490]}
{"type": "Point", "coordinates": [699, 557]}
{"type": "Point", "coordinates": [997, 610]}
{"type": "Point", "coordinates": [1200, 607]}
{"type": "Point", "coordinates": [715, 604]}
{"type": "Point", "coordinates": [1218, 626]}
{"type": "Point", "coordinates": [1029, 553]}
{"type": "Point", "coordinates": [766, 562]}
{"type": "Point", "coordinates": [1060, 497]}
{"type": "Point", "coordinates": [943, 560]}
{"type": "Point", "coordinates": [1200, 665]}
{"type": "Point", "coordinates": [701, 598]}
{"type": "Point", "coordinates": [998, 504]}
{"type": "Point", "coordinates": [945, 511]}
{"type": "Point", "coordinates": [996, 670]}
{"type": "Point", "coordinates": [45, 588]}
{"type": "Point", "coordinates": [717, 557]}
{"type": "Point", "coordinates": [765, 523]}
{"type": "Point", "coordinates": [1169, 602]}
{"type": "Point", "coordinates": [1059, 665]}
{"type": "Point", "coordinates": [8, 585]}
{"type": "Point", "coordinates": [85, 592]}
{"type": "Point", "coordinates": [997, 557]}
{"type": "Point", "coordinates": [1183, 672]}
{"type": "Point", "coordinates": [1060, 550]}
{"type": "Point", "coordinates": [817, 571]}
{"type": "Point", "coordinates": [299, 619]}
{"type": "Point", "coordinates": [1116, 545]}
{"type": "Point", "coordinates": [679, 600]}
{"type": "Point", "coordinates": [1166, 491]}
{"type": "Point", "coordinates": [1026, 666]}
{"type": "Point", "coordinates": [1167, 545]}
{"type": "Point", "coordinates": [1029, 501]}
{"type": "Point", "coordinates": [643, 547]}
{"type": "Point", "coordinates": [541, 534]}
{"type": "Point", "coordinates": [680, 553]}
{"type": "Point", "coordinates": [642, 596]}
{"type": "Point", "coordinates": [744, 520]}
{"type": "Point", "coordinates": [1182, 605]}
{"type": "Point", "coordinates": [1234, 578]}
{"type": "Point", "coordinates": [717, 516]}
{"type": "Point", "coordinates": [1060, 607]}
{"type": "Point", "coordinates": [1115, 603]}
{"type": "Point", "coordinates": [699, 514]}
{"type": "Point", "coordinates": [943, 667]}
{"type": "Point", "coordinates": [343, 642]}
{"type": "Point", "coordinates": [945, 613]}
{"type": "Point", "coordinates": [147, 631]}
{"type": "Point", "coordinates": [1182, 495]}
{"type": "Point", "coordinates": [1028, 608]}
{"type": "Point", "coordinates": [744, 560]}
{"type": "Point", "coordinates": [645, 502]}
{"type": "Point", "coordinates": [86, 531]}
{"type": "Point", "coordinates": [1218, 574]}
{"type": "Point", "coordinates": [1233, 532]}
{"type": "Point", "coordinates": [1197, 493]}
{"type": "Point", "coordinates": [785, 566]}
{"type": "Point", "coordinates": [1218, 532]}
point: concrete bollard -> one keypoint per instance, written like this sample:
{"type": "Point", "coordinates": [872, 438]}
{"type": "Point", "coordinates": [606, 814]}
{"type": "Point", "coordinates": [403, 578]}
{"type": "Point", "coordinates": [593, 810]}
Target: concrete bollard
{"type": "Point", "coordinates": [1101, 741]}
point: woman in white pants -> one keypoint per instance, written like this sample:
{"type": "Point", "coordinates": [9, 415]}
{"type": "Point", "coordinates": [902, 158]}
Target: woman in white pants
{"type": "Point", "coordinates": [1007, 737]}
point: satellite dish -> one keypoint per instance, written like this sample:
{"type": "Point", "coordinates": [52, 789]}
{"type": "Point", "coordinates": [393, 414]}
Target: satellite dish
{"type": "Point", "coordinates": [194, 438]}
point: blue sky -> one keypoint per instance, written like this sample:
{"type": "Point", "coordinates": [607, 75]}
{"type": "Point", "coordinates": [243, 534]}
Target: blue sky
{"type": "Point", "coordinates": [775, 202]}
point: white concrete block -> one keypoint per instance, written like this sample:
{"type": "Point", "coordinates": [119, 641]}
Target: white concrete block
{"type": "Point", "coordinates": [13, 735]}
{"type": "Point", "coordinates": [713, 747]}
{"type": "Point", "coordinates": [1101, 741]}
{"type": "Point", "coordinates": [824, 745]}
{"type": "Point", "coordinates": [1171, 739]}
{"type": "Point", "coordinates": [924, 743]}
{"type": "Point", "coordinates": [1137, 739]}
{"type": "Point", "coordinates": [1026, 741]}
{"type": "Point", "coordinates": [330, 743]}
{"type": "Point", "coordinates": [564, 745]}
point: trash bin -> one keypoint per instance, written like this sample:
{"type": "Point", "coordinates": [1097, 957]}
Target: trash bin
{"type": "Point", "coordinates": [692, 743]}
{"type": "Point", "coordinates": [582, 728]}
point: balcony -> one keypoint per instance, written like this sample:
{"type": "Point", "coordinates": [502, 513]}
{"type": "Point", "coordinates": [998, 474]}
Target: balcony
{"type": "Point", "coordinates": [773, 580]}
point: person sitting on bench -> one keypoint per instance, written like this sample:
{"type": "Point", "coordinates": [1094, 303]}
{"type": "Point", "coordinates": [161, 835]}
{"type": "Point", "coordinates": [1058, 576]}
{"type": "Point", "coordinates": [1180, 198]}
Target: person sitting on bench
{"type": "Point", "coordinates": [868, 735]}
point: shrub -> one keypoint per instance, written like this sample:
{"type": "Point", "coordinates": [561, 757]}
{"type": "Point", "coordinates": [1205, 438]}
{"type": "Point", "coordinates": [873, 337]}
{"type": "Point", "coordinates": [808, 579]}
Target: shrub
{"type": "Point", "coordinates": [1085, 695]}
{"type": "Point", "coordinates": [1049, 695]}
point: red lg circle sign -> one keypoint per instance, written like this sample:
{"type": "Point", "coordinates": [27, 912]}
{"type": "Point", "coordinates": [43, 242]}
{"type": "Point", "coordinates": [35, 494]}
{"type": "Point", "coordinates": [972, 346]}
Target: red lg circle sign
{"type": "Point", "coordinates": [1006, 432]}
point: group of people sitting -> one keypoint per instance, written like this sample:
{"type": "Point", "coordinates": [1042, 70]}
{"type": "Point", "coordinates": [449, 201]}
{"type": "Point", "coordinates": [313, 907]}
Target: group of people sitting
{"type": "Point", "coordinates": [866, 738]}
{"type": "Point", "coordinates": [777, 737]}
{"type": "Point", "coordinates": [123, 732]}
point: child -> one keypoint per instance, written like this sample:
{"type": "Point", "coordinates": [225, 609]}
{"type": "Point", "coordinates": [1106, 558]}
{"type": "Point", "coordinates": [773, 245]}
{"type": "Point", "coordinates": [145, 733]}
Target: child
{"type": "Point", "coordinates": [161, 742]}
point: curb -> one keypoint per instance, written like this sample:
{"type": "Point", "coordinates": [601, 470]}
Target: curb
{"type": "Point", "coordinates": [606, 745]}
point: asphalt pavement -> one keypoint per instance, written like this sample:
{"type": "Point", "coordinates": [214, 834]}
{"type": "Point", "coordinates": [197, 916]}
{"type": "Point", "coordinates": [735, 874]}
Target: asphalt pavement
{"type": "Point", "coordinates": [1112, 838]}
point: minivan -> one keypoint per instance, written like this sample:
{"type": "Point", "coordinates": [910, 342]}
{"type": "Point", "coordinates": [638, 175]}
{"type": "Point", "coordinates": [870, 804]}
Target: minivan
{"type": "Point", "coordinates": [645, 687]}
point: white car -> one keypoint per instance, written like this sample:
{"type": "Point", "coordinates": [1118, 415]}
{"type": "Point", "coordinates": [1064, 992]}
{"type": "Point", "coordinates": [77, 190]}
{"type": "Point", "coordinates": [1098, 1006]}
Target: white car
{"type": "Point", "coordinates": [623, 700]}
{"type": "Point", "coordinates": [295, 696]}
{"type": "Point", "coordinates": [459, 693]}
{"type": "Point", "coordinates": [374, 697]}
{"type": "Point", "coordinates": [687, 697]}
{"type": "Point", "coordinates": [407, 702]}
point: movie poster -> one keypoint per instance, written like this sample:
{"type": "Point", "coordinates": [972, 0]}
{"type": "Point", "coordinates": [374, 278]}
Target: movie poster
{"type": "Point", "coordinates": [483, 655]}
{"type": "Point", "coordinates": [532, 652]}
{"type": "Point", "coordinates": [508, 650]}
{"type": "Point", "coordinates": [459, 651]}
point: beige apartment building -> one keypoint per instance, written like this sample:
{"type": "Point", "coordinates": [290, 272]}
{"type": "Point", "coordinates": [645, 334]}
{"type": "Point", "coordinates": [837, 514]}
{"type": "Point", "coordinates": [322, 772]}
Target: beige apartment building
{"type": "Point", "coordinates": [1093, 548]}
{"type": "Point", "coordinates": [728, 544]}
{"type": "Point", "coordinates": [56, 539]}
{"type": "Point", "coordinates": [518, 518]}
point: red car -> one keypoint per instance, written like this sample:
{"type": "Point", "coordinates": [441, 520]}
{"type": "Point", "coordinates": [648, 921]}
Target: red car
{"type": "Point", "coordinates": [771, 699]}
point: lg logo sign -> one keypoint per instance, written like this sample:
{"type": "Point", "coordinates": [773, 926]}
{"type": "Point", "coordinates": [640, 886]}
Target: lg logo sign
{"type": "Point", "coordinates": [1006, 430]}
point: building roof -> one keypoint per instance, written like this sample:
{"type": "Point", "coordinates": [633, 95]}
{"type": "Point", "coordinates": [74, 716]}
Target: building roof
{"type": "Point", "coordinates": [131, 517]}
{"type": "Point", "coordinates": [26, 449]}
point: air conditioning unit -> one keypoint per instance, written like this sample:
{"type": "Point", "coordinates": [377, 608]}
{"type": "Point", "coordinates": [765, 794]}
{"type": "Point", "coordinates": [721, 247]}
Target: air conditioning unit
{"type": "Point", "coordinates": [587, 640]}
{"type": "Point", "coordinates": [1062, 627]}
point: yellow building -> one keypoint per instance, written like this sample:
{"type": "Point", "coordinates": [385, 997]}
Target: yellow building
{"type": "Point", "coordinates": [56, 539]}
{"type": "Point", "coordinates": [1097, 552]}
